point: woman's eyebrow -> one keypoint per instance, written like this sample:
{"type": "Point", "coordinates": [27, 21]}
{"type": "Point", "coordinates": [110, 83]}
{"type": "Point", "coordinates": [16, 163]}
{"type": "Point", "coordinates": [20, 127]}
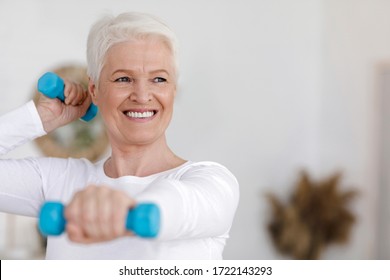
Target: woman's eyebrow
{"type": "Point", "coordinates": [159, 71]}
{"type": "Point", "coordinates": [130, 71]}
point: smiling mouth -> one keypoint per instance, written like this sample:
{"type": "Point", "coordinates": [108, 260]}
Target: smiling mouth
{"type": "Point", "coordinates": [140, 115]}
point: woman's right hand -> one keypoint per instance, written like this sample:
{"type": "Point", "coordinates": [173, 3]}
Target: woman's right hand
{"type": "Point", "coordinates": [98, 214]}
{"type": "Point", "coordinates": [54, 113]}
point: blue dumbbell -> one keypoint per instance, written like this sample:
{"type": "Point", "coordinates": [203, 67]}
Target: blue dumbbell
{"type": "Point", "coordinates": [52, 86]}
{"type": "Point", "coordinates": [143, 220]}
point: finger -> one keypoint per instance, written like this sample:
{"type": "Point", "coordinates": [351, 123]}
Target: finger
{"type": "Point", "coordinates": [89, 213]}
{"type": "Point", "coordinates": [74, 93]}
{"type": "Point", "coordinates": [75, 233]}
{"type": "Point", "coordinates": [83, 108]}
{"type": "Point", "coordinates": [118, 219]}
{"type": "Point", "coordinates": [80, 95]}
{"type": "Point", "coordinates": [69, 92]}
{"type": "Point", "coordinates": [105, 213]}
{"type": "Point", "coordinates": [88, 100]}
{"type": "Point", "coordinates": [119, 216]}
{"type": "Point", "coordinates": [72, 210]}
{"type": "Point", "coordinates": [72, 97]}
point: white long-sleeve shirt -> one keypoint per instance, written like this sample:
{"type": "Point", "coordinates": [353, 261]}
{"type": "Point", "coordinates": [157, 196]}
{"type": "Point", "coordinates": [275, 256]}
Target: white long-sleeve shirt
{"type": "Point", "coordinates": [197, 200]}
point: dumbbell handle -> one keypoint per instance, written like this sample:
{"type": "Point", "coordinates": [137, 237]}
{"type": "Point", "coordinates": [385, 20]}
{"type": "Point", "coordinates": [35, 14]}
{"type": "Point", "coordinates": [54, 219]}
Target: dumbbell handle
{"type": "Point", "coordinates": [52, 86]}
{"type": "Point", "coordinates": [143, 220]}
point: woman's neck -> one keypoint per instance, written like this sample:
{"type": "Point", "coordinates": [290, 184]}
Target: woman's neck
{"type": "Point", "coordinates": [141, 160]}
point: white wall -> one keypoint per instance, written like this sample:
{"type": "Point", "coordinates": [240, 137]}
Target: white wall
{"type": "Point", "coordinates": [357, 42]}
{"type": "Point", "coordinates": [265, 89]}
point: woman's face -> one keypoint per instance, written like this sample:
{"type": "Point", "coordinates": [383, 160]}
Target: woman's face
{"type": "Point", "coordinates": [135, 92]}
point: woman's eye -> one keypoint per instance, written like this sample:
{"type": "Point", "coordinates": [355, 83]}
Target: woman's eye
{"type": "Point", "coordinates": [123, 80]}
{"type": "Point", "coordinates": [159, 80]}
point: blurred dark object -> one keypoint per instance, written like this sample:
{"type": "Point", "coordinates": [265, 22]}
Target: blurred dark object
{"type": "Point", "coordinates": [315, 216]}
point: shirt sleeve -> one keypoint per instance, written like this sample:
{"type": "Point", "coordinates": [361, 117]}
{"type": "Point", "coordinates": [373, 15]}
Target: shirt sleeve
{"type": "Point", "coordinates": [21, 187]}
{"type": "Point", "coordinates": [21, 183]}
{"type": "Point", "coordinates": [200, 204]}
{"type": "Point", "coordinates": [19, 126]}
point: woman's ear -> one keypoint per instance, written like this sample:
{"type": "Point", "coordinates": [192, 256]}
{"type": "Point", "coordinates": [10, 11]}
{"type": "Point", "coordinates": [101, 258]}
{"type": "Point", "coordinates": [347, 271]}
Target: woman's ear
{"type": "Point", "coordinates": [92, 90]}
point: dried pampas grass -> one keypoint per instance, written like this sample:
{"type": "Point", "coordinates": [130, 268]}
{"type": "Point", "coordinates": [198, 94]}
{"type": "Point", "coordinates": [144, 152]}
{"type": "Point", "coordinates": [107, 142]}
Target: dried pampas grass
{"type": "Point", "coordinates": [315, 216]}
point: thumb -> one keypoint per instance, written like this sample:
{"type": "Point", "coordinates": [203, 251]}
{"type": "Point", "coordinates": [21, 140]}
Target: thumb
{"type": "Point", "coordinates": [85, 105]}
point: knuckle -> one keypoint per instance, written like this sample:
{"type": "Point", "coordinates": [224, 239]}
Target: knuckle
{"type": "Point", "coordinates": [104, 190]}
{"type": "Point", "coordinates": [90, 188]}
{"type": "Point", "coordinates": [106, 232]}
{"type": "Point", "coordinates": [87, 217]}
{"type": "Point", "coordinates": [70, 213]}
{"type": "Point", "coordinates": [118, 229]}
{"type": "Point", "coordinates": [103, 219]}
{"type": "Point", "coordinates": [71, 237]}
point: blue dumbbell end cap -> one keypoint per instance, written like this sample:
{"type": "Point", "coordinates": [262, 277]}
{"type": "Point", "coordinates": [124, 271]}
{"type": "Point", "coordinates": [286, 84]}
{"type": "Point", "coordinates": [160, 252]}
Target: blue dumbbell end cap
{"type": "Point", "coordinates": [144, 220]}
{"type": "Point", "coordinates": [51, 219]}
{"type": "Point", "coordinates": [51, 85]}
{"type": "Point", "coordinates": [91, 113]}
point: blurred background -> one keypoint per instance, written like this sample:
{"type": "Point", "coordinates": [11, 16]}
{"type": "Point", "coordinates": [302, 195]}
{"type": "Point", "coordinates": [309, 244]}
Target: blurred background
{"type": "Point", "coordinates": [266, 88]}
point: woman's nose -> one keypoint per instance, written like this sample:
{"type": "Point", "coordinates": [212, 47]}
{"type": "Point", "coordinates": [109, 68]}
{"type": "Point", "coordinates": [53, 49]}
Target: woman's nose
{"type": "Point", "coordinates": [141, 93]}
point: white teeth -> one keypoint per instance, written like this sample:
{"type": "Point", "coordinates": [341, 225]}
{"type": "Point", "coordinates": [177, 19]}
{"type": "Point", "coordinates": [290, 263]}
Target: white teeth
{"type": "Point", "coordinates": [139, 115]}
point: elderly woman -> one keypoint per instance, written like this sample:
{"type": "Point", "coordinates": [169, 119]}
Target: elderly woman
{"type": "Point", "coordinates": [133, 80]}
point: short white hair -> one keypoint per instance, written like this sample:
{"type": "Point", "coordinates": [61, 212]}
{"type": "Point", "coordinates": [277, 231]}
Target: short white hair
{"type": "Point", "coordinates": [111, 30]}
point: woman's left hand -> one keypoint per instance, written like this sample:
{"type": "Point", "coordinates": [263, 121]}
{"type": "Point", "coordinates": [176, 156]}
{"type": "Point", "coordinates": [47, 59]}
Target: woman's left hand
{"type": "Point", "coordinates": [98, 214]}
{"type": "Point", "coordinates": [54, 113]}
